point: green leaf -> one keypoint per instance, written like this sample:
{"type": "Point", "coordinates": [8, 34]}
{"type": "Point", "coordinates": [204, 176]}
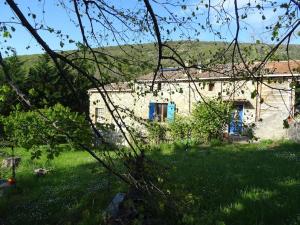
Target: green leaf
{"type": "Point", "coordinates": [6, 34]}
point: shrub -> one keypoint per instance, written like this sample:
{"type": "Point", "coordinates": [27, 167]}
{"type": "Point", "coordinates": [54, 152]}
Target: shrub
{"type": "Point", "coordinates": [210, 118]}
{"type": "Point", "coordinates": [248, 131]}
{"type": "Point", "coordinates": [156, 132]}
{"type": "Point", "coordinates": [216, 142]}
{"type": "Point", "coordinates": [37, 132]}
{"type": "Point", "coordinates": [180, 128]}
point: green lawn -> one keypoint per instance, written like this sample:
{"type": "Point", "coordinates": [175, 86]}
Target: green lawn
{"type": "Point", "coordinates": [228, 184]}
{"type": "Point", "coordinates": [76, 189]}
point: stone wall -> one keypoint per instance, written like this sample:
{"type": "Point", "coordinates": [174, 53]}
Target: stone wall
{"type": "Point", "coordinates": [277, 102]}
{"type": "Point", "coordinates": [267, 110]}
{"type": "Point", "coordinates": [294, 132]}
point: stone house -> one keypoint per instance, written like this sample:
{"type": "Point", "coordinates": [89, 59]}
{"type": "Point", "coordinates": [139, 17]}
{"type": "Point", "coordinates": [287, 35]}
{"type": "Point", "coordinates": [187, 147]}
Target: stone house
{"type": "Point", "coordinates": [264, 100]}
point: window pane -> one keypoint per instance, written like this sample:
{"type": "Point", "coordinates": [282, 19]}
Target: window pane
{"type": "Point", "coordinates": [99, 114]}
{"type": "Point", "coordinates": [165, 111]}
{"type": "Point", "coordinates": [158, 111]}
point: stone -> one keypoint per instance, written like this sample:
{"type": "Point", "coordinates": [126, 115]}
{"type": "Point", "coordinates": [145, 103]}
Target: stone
{"type": "Point", "coordinates": [10, 162]}
{"type": "Point", "coordinates": [41, 172]}
{"type": "Point", "coordinates": [113, 208]}
{"type": "Point", "coordinates": [4, 184]}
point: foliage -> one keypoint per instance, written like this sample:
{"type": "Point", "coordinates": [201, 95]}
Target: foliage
{"type": "Point", "coordinates": [190, 51]}
{"type": "Point", "coordinates": [248, 131]}
{"type": "Point", "coordinates": [216, 142]}
{"type": "Point", "coordinates": [44, 86]}
{"type": "Point", "coordinates": [286, 123]}
{"type": "Point", "coordinates": [207, 122]}
{"type": "Point", "coordinates": [46, 130]}
{"type": "Point", "coordinates": [297, 117]}
{"type": "Point", "coordinates": [180, 128]}
{"type": "Point", "coordinates": [156, 131]}
{"type": "Point", "coordinates": [8, 98]}
{"type": "Point", "coordinates": [210, 119]}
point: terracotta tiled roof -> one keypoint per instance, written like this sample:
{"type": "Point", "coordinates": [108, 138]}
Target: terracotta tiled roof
{"type": "Point", "coordinates": [120, 87]}
{"type": "Point", "coordinates": [278, 67]}
{"type": "Point", "coordinates": [283, 67]}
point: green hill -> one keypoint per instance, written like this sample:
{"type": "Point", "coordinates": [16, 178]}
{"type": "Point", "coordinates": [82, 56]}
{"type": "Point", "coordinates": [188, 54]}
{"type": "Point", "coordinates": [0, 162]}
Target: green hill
{"type": "Point", "coordinates": [136, 60]}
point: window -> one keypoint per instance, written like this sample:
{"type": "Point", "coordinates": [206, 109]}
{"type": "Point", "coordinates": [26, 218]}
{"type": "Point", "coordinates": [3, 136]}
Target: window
{"type": "Point", "coordinates": [159, 86]}
{"type": "Point", "coordinates": [99, 115]}
{"type": "Point", "coordinates": [161, 112]}
{"type": "Point", "coordinates": [211, 86]}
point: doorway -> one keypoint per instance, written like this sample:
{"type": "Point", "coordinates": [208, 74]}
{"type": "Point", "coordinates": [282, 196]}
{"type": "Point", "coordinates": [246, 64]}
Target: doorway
{"type": "Point", "coordinates": [236, 122]}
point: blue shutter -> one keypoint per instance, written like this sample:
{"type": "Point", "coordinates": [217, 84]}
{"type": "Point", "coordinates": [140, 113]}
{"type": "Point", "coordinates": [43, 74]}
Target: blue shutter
{"type": "Point", "coordinates": [151, 111]}
{"type": "Point", "coordinates": [171, 112]}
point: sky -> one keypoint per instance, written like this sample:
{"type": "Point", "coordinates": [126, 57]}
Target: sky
{"type": "Point", "coordinates": [57, 17]}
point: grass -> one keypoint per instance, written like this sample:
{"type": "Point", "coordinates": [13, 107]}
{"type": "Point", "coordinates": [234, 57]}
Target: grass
{"type": "Point", "coordinates": [75, 191]}
{"type": "Point", "coordinates": [225, 184]}
{"type": "Point", "coordinates": [238, 184]}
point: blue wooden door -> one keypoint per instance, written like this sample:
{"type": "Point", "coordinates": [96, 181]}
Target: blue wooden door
{"type": "Point", "coordinates": [236, 123]}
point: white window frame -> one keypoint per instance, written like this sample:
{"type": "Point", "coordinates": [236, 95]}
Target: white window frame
{"type": "Point", "coordinates": [99, 114]}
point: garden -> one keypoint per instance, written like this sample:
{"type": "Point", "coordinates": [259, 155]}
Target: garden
{"type": "Point", "coordinates": [220, 184]}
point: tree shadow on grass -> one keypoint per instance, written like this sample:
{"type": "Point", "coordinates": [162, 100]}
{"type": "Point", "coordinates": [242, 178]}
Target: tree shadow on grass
{"type": "Point", "coordinates": [227, 184]}
{"type": "Point", "coordinates": [236, 184]}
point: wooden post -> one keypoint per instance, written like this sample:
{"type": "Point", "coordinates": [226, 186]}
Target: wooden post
{"type": "Point", "coordinates": [14, 163]}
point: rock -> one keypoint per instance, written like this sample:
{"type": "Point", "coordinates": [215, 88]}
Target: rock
{"type": "Point", "coordinates": [3, 183]}
{"type": "Point", "coordinates": [9, 162]}
{"type": "Point", "coordinates": [41, 172]}
{"type": "Point", "coordinates": [114, 206]}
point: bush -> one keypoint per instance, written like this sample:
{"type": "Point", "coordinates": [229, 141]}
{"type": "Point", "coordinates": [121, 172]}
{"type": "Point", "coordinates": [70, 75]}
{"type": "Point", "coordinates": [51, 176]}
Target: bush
{"type": "Point", "coordinates": [216, 142]}
{"type": "Point", "coordinates": [56, 126]}
{"type": "Point", "coordinates": [210, 119]}
{"type": "Point", "coordinates": [180, 128]}
{"type": "Point", "coordinates": [248, 131]}
{"type": "Point", "coordinates": [156, 132]}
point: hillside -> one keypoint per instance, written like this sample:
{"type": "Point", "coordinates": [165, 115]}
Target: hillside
{"type": "Point", "coordinates": [136, 60]}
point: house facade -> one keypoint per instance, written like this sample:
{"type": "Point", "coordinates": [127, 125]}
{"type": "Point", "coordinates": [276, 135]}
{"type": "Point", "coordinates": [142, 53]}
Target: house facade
{"type": "Point", "coordinates": [264, 100]}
